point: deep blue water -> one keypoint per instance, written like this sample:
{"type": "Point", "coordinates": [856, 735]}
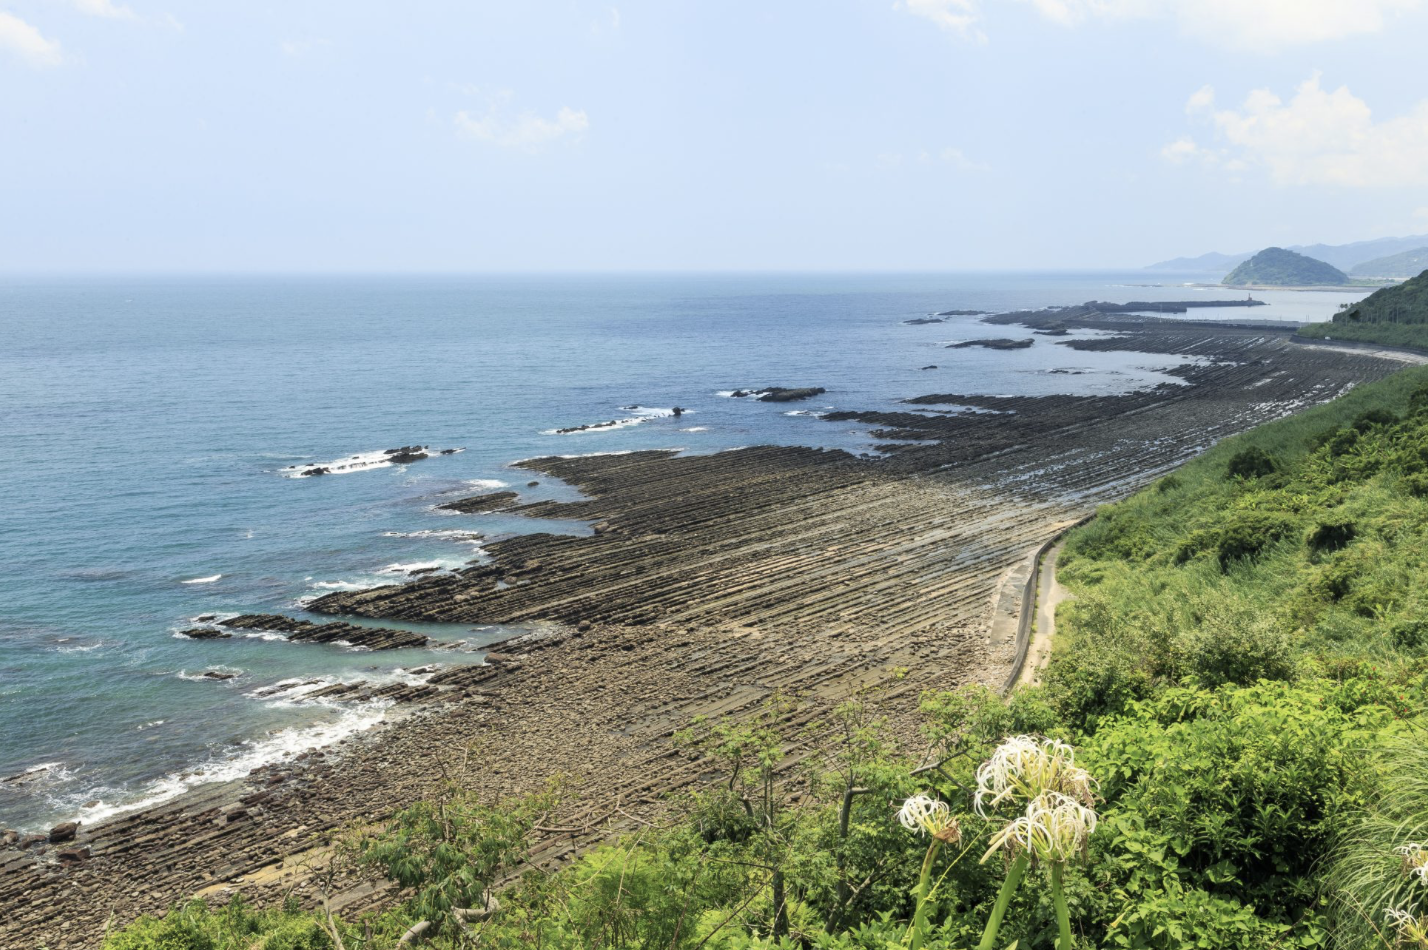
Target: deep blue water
{"type": "Point", "coordinates": [145, 426]}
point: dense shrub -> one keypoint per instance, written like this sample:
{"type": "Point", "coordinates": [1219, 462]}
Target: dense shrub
{"type": "Point", "coordinates": [1331, 533]}
{"type": "Point", "coordinates": [1247, 534]}
{"type": "Point", "coordinates": [1252, 462]}
{"type": "Point", "coordinates": [236, 926]}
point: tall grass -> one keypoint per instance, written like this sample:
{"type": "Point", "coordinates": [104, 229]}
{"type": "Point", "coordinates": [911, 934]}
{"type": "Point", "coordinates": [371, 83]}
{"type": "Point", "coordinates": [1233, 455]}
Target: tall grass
{"type": "Point", "coordinates": [1364, 876]}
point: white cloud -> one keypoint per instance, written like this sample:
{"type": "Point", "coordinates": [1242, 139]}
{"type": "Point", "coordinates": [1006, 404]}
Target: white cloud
{"type": "Point", "coordinates": [1182, 150]}
{"type": "Point", "coordinates": [955, 16]}
{"type": "Point", "coordinates": [1257, 25]}
{"type": "Point", "coordinates": [526, 131]}
{"type": "Point", "coordinates": [1273, 24]}
{"type": "Point", "coordinates": [1202, 101]}
{"type": "Point", "coordinates": [104, 8]}
{"type": "Point", "coordinates": [1421, 214]}
{"type": "Point", "coordinates": [1316, 138]}
{"type": "Point", "coordinates": [22, 40]}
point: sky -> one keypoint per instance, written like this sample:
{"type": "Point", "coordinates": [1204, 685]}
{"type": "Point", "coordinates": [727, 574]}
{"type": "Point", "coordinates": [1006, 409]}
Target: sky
{"type": "Point", "coordinates": [163, 136]}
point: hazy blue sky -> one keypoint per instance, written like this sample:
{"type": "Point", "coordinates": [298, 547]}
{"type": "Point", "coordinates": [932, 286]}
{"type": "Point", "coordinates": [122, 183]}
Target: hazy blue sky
{"type": "Point", "coordinates": [163, 135]}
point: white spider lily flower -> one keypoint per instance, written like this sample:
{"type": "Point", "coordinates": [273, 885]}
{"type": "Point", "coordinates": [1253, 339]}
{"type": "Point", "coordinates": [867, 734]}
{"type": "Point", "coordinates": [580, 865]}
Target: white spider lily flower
{"type": "Point", "coordinates": [1398, 918]}
{"type": "Point", "coordinates": [1415, 861]}
{"type": "Point", "coordinates": [1055, 829]}
{"type": "Point", "coordinates": [926, 815]}
{"type": "Point", "coordinates": [1408, 928]}
{"type": "Point", "coordinates": [1025, 766]}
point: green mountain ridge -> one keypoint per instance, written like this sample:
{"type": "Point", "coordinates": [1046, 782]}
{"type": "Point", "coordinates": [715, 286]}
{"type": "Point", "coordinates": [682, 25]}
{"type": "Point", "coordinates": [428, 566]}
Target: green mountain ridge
{"type": "Point", "coordinates": [1278, 267]}
{"type": "Point", "coordinates": [1405, 264]}
{"type": "Point", "coordinates": [1342, 256]}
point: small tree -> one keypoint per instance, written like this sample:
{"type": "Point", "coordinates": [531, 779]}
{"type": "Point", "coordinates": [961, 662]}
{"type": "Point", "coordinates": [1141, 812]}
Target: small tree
{"type": "Point", "coordinates": [451, 850]}
{"type": "Point", "coordinates": [752, 750]}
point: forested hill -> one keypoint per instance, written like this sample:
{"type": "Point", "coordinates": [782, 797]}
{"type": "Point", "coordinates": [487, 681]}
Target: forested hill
{"type": "Point", "coordinates": [1274, 266]}
{"type": "Point", "coordinates": [1394, 315]}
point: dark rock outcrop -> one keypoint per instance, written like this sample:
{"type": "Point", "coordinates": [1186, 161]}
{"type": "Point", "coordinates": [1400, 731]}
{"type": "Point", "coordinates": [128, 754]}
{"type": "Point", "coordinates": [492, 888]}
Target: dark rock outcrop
{"type": "Point", "coordinates": [780, 394]}
{"type": "Point", "coordinates": [205, 633]}
{"type": "Point", "coordinates": [63, 832]}
{"type": "Point", "coordinates": [405, 454]}
{"type": "Point", "coordinates": [1000, 344]}
{"type": "Point", "coordinates": [493, 501]}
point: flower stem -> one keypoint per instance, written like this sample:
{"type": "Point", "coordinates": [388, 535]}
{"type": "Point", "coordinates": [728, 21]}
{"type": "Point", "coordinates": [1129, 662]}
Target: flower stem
{"type": "Point", "coordinates": [1063, 918]}
{"type": "Point", "coordinates": [924, 882]}
{"type": "Point", "coordinates": [999, 910]}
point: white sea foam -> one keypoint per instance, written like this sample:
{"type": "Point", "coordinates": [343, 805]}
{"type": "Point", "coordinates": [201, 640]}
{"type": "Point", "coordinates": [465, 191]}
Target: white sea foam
{"type": "Point", "coordinates": [203, 580]}
{"type": "Point", "coordinates": [461, 537]}
{"type": "Point", "coordinates": [439, 564]}
{"type": "Point", "coordinates": [486, 483]}
{"type": "Point", "coordinates": [267, 634]}
{"type": "Point", "coordinates": [44, 767]}
{"type": "Point", "coordinates": [233, 763]}
{"type": "Point", "coordinates": [343, 585]}
{"type": "Point", "coordinates": [586, 455]}
{"type": "Point", "coordinates": [696, 429]}
{"type": "Point", "coordinates": [803, 412]}
{"type": "Point", "coordinates": [150, 725]}
{"type": "Point", "coordinates": [79, 649]}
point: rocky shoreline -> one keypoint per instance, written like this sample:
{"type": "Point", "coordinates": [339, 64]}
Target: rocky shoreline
{"type": "Point", "coordinates": [707, 583]}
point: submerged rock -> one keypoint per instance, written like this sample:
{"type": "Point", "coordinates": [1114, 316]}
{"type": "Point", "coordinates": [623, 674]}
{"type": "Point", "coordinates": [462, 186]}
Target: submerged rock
{"type": "Point", "coordinates": [205, 633]}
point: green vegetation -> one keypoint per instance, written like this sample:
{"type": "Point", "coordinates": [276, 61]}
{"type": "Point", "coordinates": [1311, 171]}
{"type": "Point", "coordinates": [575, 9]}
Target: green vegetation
{"type": "Point", "coordinates": [1227, 753]}
{"type": "Point", "coordinates": [1274, 266]}
{"type": "Point", "coordinates": [1406, 264]}
{"type": "Point", "coordinates": [1397, 316]}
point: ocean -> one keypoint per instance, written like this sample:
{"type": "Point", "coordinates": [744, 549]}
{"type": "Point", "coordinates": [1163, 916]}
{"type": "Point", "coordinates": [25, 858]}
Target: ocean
{"type": "Point", "coordinates": [151, 429]}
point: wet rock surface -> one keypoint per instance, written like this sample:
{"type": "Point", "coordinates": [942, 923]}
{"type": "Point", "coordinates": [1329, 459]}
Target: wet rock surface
{"type": "Point", "coordinates": [494, 501]}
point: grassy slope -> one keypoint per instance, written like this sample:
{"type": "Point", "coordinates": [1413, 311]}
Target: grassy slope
{"type": "Point", "coordinates": [1158, 555]}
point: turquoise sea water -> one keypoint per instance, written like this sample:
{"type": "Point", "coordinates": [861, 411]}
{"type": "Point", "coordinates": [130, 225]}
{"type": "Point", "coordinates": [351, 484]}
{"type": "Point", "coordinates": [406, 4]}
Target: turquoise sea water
{"type": "Point", "coordinates": [146, 427]}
